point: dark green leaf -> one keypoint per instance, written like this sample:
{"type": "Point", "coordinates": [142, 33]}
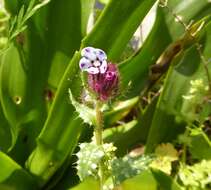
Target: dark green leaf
{"type": "Point", "coordinates": [12, 176]}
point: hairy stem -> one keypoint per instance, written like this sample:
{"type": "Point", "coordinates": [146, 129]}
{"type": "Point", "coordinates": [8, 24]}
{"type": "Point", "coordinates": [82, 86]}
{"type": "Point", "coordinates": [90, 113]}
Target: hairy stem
{"type": "Point", "coordinates": [99, 125]}
{"type": "Point", "coordinates": [99, 140]}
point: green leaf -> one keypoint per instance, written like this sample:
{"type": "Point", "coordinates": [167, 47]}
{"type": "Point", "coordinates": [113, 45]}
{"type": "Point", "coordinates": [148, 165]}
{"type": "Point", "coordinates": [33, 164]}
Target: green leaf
{"type": "Point", "coordinates": [40, 50]}
{"type": "Point", "coordinates": [63, 38]}
{"type": "Point", "coordinates": [104, 1]}
{"type": "Point", "coordinates": [12, 91]}
{"type": "Point", "coordinates": [135, 70]}
{"type": "Point", "coordinates": [32, 9]}
{"type": "Point", "coordinates": [116, 25]}
{"type": "Point", "coordinates": [200, 145]}
{"type": "Point", "coordinates": [20, 16]}
{"type": "Point", "coordinates": [169, 101]}
{"type": "Point", "coordinates": [128, 167]}
{"type": "Point", "coordinates": [23, 16]}
{"type": "Point", "coordinates": [119, 110]}
{"type": "Point", "coordinates": [12, 176]}
{"type": "Point", "coordinates": [87, 7]}
{"type": "Point", "coordinates": [150, 180]}
{"type": "Point", "coordinates": [61, 131]}
{"type": "Point", "coordinates": [143, 181]}
{"type": "Point", "coordinates": [5, 134]}
{"type": "Point", "coordinates": [12, 6]}
{"type": "Point", "coordinates": [87, 184]}
{"type": "Point", "coordinates": [85, 113]}
{"type": "Point", "coordinates": [165, 182]}
{"type": "Point", "coordinates": [165, 155]}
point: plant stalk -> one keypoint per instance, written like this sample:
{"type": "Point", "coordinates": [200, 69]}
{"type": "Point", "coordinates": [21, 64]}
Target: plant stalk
{"type": "Point", "coordinates": [98, 130]}
{"type": "Point", "coordinates": [99, 124]}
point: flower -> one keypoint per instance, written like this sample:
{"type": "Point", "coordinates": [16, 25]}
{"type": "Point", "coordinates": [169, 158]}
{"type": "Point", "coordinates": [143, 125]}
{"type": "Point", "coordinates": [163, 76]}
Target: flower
{"type": "Point", "coordinates": [93, 60]}
{"type": "Point", "coordinates": [103, 77]}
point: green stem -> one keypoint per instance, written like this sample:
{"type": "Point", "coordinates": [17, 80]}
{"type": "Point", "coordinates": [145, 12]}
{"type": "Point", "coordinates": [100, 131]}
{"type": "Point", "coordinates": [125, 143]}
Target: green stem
{"type": "Point", "coordinates": [99, 125]}
{"type": "Point", "coordinates": [184, 153]}
{"type": "Point", "coordinates": [99, 140]}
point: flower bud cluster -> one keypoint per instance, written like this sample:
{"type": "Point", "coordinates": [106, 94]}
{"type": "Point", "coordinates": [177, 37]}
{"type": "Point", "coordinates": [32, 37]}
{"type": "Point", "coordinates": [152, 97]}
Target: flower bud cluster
{"type": "Point", "coordinates": [103, 77]}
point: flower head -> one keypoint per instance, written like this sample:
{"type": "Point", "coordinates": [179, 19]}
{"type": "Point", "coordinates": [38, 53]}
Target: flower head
{"type": "Point", "coordinates": [106, 84]}
{"type": "Point", "coordinates": [103, 77]}
{"type": "Point", "coordinates": [93, 60]}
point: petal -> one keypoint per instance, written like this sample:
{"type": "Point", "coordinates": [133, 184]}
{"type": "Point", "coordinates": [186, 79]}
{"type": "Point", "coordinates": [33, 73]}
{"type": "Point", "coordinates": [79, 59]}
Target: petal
{"type": "Point", "coordinates": [89, 53]}
{"type": "Point", "coordinates": [103, 67]}
{"type": "Point", "coordinates": [87, 50]}
{"type": "Point", "coordinates": [101, 55]}
{"type": "Point", "coordinates": [92, 70]}
{"type": "Point", "coordinates": [84, 64]}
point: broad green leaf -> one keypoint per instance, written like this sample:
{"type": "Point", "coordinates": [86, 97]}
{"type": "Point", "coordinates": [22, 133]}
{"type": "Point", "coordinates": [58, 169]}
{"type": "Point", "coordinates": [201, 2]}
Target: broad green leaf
{"type": "Point", "coordinates": [135, 70]}
{"type": "Point", "coordinates": [87, 7]}
{"type": "Point", "coordinates": [40, 53]}
{"type": "Point", "coordinates": [150, 180]}
{"type": "Point", "coordinates": [5, 134]}
{"type": "Point", "coordinates": [143, 181]}
{"type": "Point", "coordinates": [12, 6]}
{"type": "Point", "coordinates": [145, 120]}
{"type": "Point", "coordinates": [165, 182]}
{"type": "Point", "coordinates": [104, 1]}
{"type": "Point", "coordinates": [12, 176]}
{"type": "Point", "coordinates": [59, 175]}
{"type": "Point", "coordinates": [68, 180]}
{"type": "Point", "coordinates": [116, 25]}
{"type": "Point", "coordinates": [12, 91]}
{"type": "Point", "coordinates": [64, 34]}
{"type": "Point", "coordinates": [61, 131]}
{"type": "Point", "coordinates": [119, 110]}
{"type": "Point", "coordinates": [87, 184]}
{"type": "Point", "coordinates": [200, 145]}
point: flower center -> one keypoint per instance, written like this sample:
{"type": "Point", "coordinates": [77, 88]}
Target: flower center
{"type": "Point", "coordinates": [97, 63]}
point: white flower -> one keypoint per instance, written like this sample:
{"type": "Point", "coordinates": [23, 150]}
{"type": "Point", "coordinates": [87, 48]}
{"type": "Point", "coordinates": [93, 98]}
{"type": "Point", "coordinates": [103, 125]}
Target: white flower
{"type": "Point", "coordinates": [93, 60]}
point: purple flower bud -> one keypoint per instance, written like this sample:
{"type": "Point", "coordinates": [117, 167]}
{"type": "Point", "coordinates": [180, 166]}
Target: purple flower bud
{"type": "Point", "coordinates": [105, 85]}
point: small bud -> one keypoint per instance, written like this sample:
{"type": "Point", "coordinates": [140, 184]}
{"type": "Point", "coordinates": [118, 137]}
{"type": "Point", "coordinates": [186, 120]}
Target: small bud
{"type": "Point", "coordinates": [105, 85]}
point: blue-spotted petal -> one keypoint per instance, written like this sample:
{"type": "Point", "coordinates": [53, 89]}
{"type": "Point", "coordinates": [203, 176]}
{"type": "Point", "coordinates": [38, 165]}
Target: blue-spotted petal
{"type": "Point", "coordinates": [101, 55]}
{"type": "Point", "coordinates": [84, 64]}
{"type": "Point", "coordinates": [103, 67]}
{"type": "Point", "coordinates": [89, 53]}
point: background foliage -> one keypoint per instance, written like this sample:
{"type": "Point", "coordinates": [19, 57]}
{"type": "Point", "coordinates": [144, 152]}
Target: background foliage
{"type": "Point", "coordinates": [164, 95]}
